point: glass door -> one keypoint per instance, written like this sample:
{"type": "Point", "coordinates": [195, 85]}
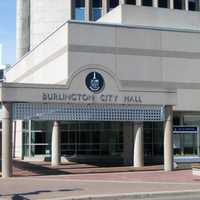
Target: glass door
{"type": "Point", "coordinates": [189, 144]}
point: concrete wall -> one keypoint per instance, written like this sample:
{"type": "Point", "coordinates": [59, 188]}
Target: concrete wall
{"type": "Point", "coordinates": [153, 17]}
{"type": "Point", "coordinates": [47, 63]}
{"type": "Point", "coordinates": [46, 16]}
{"type": "Point", "coordinates": [136, 54]}
{"type": "Point", "coordinates": [143, 58]}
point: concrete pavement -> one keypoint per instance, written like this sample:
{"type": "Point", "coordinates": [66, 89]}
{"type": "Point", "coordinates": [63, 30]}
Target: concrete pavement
{"type": "Point", "coordinates": [124, 185]}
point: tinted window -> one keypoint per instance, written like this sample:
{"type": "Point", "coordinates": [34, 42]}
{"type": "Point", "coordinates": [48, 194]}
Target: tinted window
{"type": "Point", "coordinates": [80, 3]}
{"type": "Point", "coordinates": [178, 4]}
{"type": "Point", "coordinates": [147, 2]}
{"type": "Point", "coordinates": [130, 2]}
{"type": "Point", "coordinates": [79, 13]}
{"type": "Point", "coordinates": [114, 3]}
{"type": "Point", "coordinates": [162, 3]}
{"type": "Point", "coordinates": [96, 3]}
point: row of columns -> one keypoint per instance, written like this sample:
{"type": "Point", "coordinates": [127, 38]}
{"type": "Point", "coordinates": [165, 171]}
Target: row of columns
{"type": "Point", "coordinates": [136, 151]}
{"type": "Point", "coordinates": [134, 142]}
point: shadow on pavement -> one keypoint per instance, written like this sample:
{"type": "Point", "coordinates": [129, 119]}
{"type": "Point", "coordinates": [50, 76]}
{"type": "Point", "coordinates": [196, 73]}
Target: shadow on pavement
{"type": "Point", "coordinates": [25, 169]}
{"type": "Point", "coordinates": [31, 169]}
{"type": "Point", "coordinates": [22, 196]}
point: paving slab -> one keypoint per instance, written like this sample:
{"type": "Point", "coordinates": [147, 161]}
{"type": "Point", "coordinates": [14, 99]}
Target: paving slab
{"type": "Point", "coordinates": [116, 185]}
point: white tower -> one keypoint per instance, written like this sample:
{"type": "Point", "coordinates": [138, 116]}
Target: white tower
{"type": "Point", "coordinates": [22, 27]}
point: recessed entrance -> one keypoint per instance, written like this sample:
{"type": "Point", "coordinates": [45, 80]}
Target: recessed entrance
{"type": "Point", "coordinates": [91, 141]}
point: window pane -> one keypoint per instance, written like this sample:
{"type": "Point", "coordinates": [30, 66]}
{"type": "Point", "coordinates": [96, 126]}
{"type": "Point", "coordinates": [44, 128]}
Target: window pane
{"type": "Point", "coordinates": [96, 3]}
{"type": "Point", "coordinates": [96, 13]}
{"type": "Point", "coordinates": [177, 144]}
{"type": "Point", "coordinates": [114, 3]}
{"type": "Point", "coordinates": [79, 10]}
{"type": "Point", "coordinates": [133, 2]}
{"type": "Point", "coordinates": [162, 3]}
{"type": "Point", "coordinates": [147, 2]}
{"type": "Point", "coordinates": [178, 4]}
{"type": "Point", "coordinates": [79, 14]}
{"type": "Point", "coordinates": [80, 3]}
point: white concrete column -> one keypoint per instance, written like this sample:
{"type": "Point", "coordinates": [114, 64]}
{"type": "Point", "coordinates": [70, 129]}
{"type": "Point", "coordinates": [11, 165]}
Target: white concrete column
{"type": "Point", "coordinates": [6, 140]}
{"type": "Point", "coordinates": [18, 139]}
{"type": "Point", "coordinates": [122, 1]}
{"type": "Point", "coordinates": [138, 145]}
{"type": "Point", "coordinates": [138, 2]}
{"type": "Point", "coordinates": [55, 147]}
{"type": "Point", "coordinates": [171, 4]}
{"type": "Point", "coordinates": [168, 139]}
{"type": "Point", "coordinates": [155, 3]}
{"type": "Point", "coordinates": [128, 143]}
{"type": "Point", "coordinates": [185, 4]}
{"type": "Point", "coordinates": [22, 27]}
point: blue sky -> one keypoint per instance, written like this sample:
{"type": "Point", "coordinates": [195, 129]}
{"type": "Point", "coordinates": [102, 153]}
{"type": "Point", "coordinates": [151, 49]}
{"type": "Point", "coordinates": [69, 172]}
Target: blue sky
{"type": "Point", "coordinates": [8, 29]}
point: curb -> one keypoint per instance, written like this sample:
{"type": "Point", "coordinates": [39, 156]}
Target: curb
{"type": "Point", "coordinates": [131, 196]}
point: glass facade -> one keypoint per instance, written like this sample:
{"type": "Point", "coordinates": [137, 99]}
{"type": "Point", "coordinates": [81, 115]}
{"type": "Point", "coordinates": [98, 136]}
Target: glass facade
{"type": "Point", "coordinates": [36, 138]}
{"type": "Point", "coordinates": [153, 142]}
{"type": "Point", "coordinates": [113, 4]}
{"type": "Point", "coordinates": [79, 13]}
{"type": "Point", "coordinates": [77, 138]}
{"type": "Point", "coordinates": [103, 138]}
{"type": "Point", "coordinates": [193, 5]}
{"type": "Point", "coordinates": [162, 3]}
{"type": "Point", "coordinates": [96, 9]}
{"type": "Point", "coordinates": [147, 3]}
{"type": "Point", "coordinates": [90, 139]}
{"type": "Point", "coordinates": [131, 2]}
{"type": "Point", "coordinates": [178, 4]}
{"type": "Point", "coordinates": [187, 143]}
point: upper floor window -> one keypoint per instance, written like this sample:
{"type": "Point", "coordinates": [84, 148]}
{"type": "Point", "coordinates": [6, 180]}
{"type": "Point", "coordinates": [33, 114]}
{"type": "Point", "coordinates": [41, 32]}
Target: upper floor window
{"type": "Point", "coordinates": [79, 10]}
{"type": "Point", "coordinates": [193, 5]}
{"type": "Point", "coordinates": [96, 9]}
{"type": "Point", "coordinates": [147, 3]}
{"type": "Point", "coordinates": [132, 2]}
{"type": "Point", "coordinates": [113, 4]}
{"type": "Point", "coordinates": [178, 4]}
{"type": "Point", "coordinates": [162, 3]}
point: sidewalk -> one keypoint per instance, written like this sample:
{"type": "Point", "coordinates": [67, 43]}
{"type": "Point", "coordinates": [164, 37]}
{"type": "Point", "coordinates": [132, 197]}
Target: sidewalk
{"type": "Point", "coordinates": [62, 187]}
{"type": "Point", "coordinates": [21, 168]}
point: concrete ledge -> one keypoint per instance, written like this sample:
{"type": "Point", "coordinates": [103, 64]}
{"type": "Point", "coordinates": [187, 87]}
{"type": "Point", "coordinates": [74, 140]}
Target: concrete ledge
{"type": "Point", "coordinates": [131, 196]}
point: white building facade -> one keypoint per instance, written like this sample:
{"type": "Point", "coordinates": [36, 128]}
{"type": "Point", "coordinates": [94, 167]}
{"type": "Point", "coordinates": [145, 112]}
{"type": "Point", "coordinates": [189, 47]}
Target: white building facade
{"type": "Point", "coordinates": [124, 89]}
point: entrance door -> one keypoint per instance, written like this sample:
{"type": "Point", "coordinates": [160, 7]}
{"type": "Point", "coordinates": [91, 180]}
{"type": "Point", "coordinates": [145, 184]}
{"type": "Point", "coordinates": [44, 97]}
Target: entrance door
{"type": "Point", "coordinates": [153, 142]}
{"type": "Point", "coordinates": [185, 144]}
{"type": "Point", "coordinates": [189, 144]}
{"type": "Point", "coordinates": [185, 140]}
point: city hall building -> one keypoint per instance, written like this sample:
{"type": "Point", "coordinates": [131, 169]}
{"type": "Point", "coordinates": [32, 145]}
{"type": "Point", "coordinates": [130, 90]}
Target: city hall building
{"type": "Point", "coordinates": [103, 82]}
